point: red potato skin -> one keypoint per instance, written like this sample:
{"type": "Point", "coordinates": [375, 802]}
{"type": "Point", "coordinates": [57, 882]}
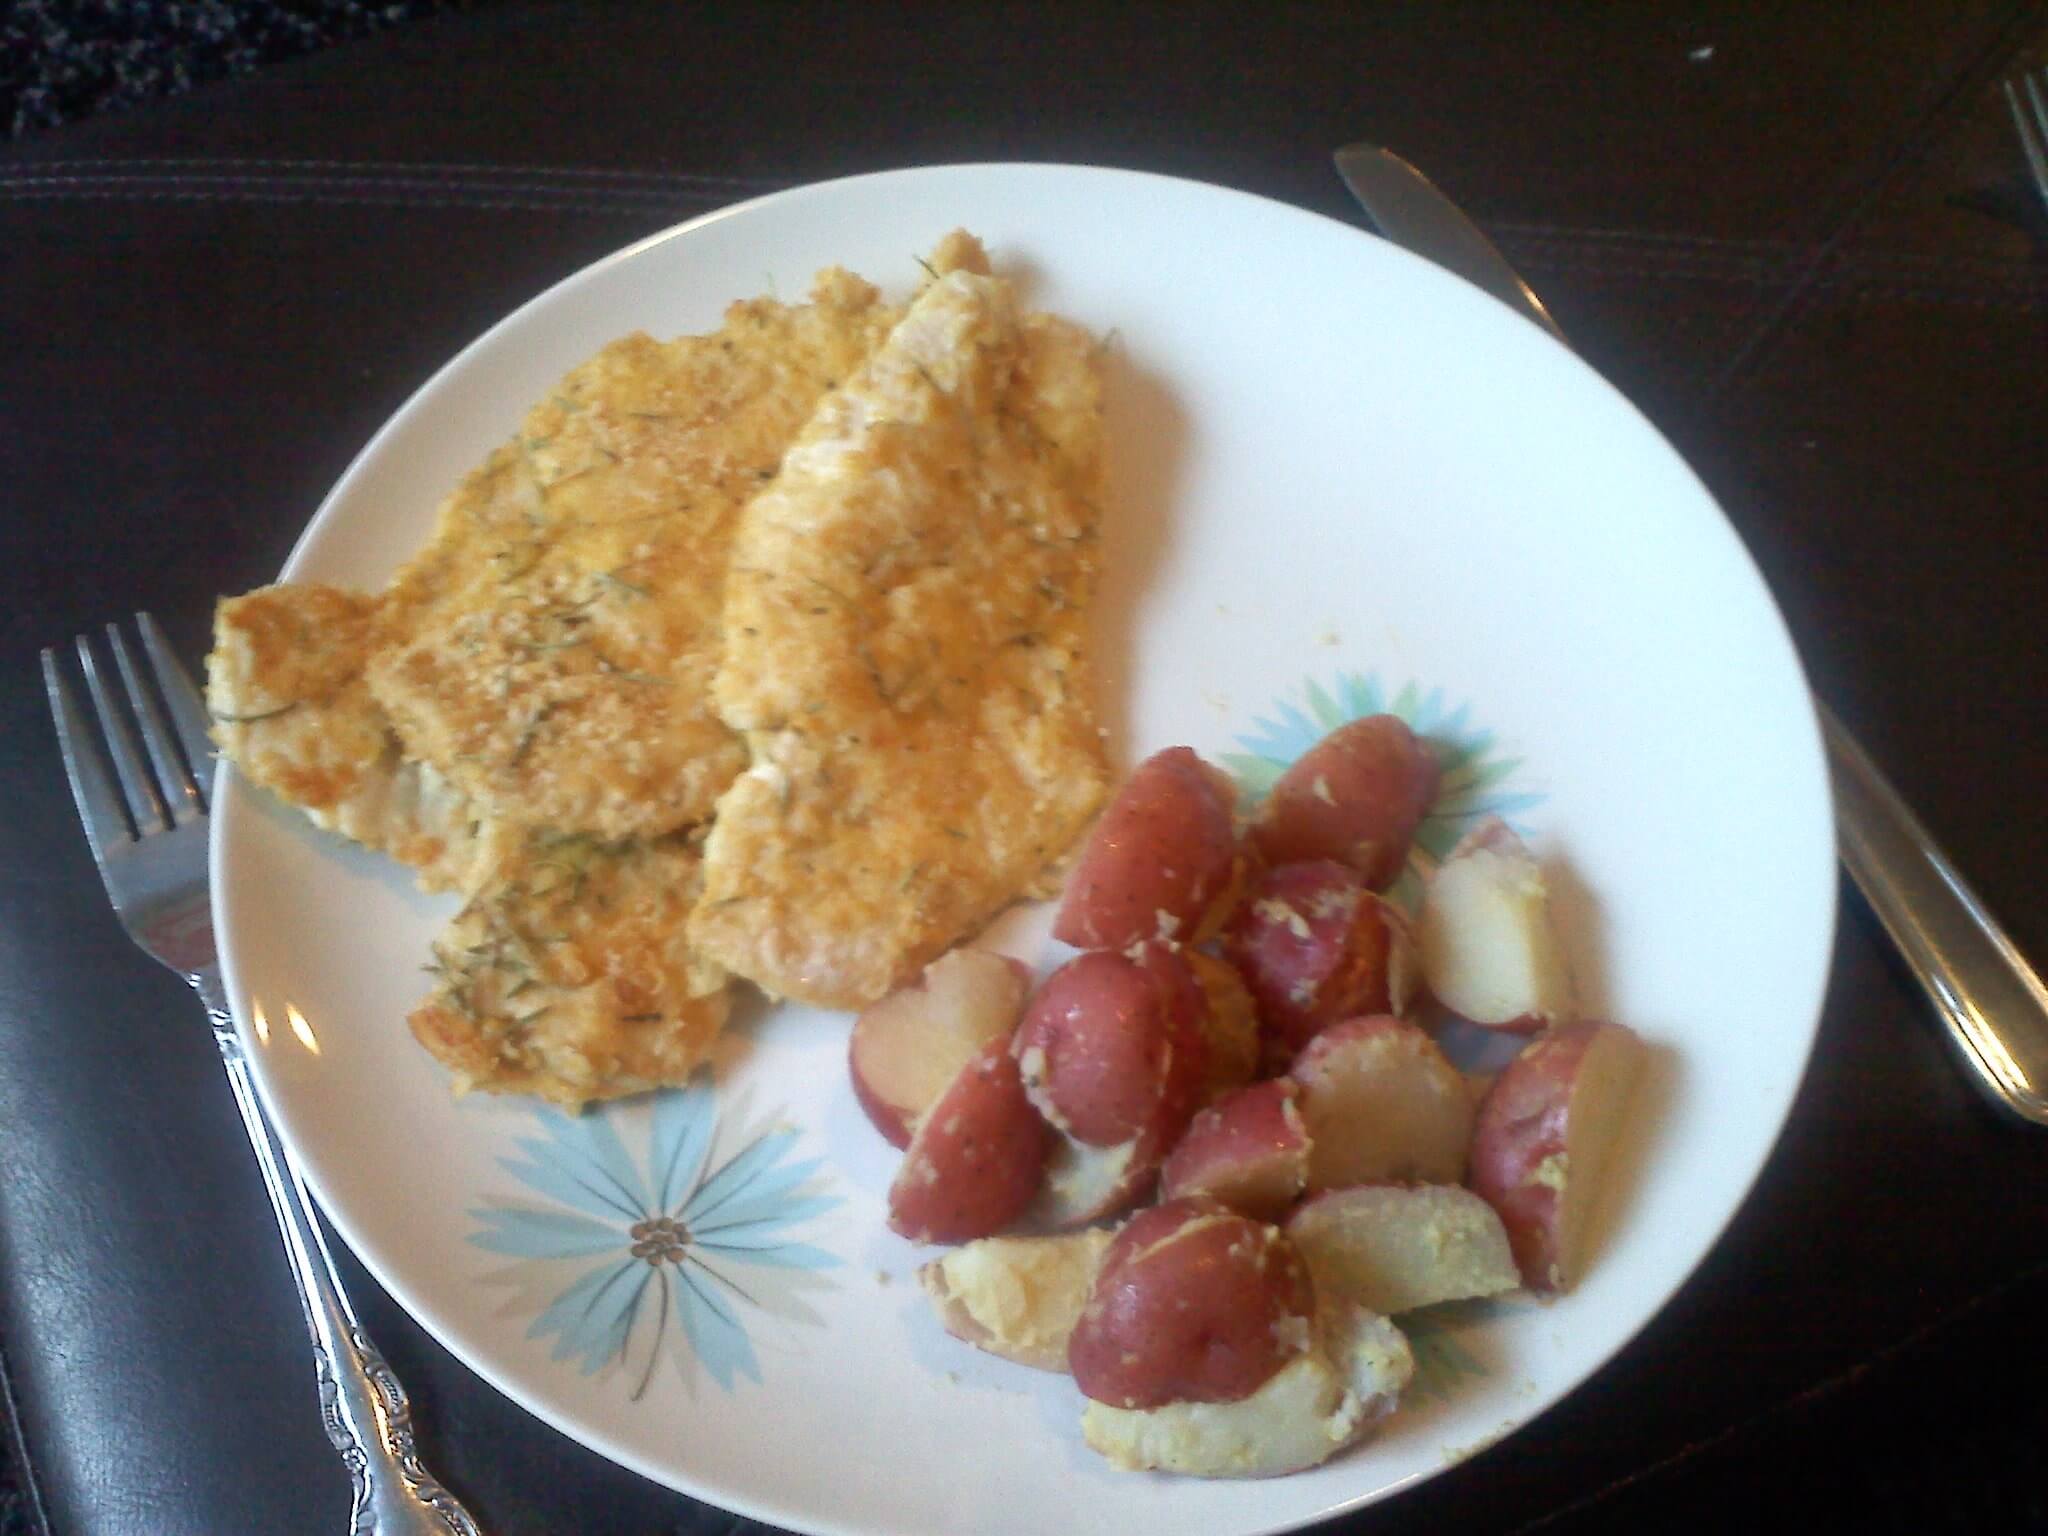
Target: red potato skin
{"type": "Point", "coordinates": [975, 1161]}
{"type": "Point", "coordinates": [1097, 1045]}
{"type": "Point", "coordinates": [1185, 1001]}
{"type": "Point", "coordinates": [895, 1121]}
{"type": "Point", "coordinates": [893, 1124]}
{"type": "Point", "coordinates": [1357, 796]}
{"type": "Point", "coordinates": [1165, 845]}
{"type": "Point", "coordinates": [1192, 1304]}
{"type": "Point", "coordinates": [1314, 946]}
{"type": "Point", "coordinates": [1249, 1151]}
{"type": "Point", "coordinates": [1522, 1123]}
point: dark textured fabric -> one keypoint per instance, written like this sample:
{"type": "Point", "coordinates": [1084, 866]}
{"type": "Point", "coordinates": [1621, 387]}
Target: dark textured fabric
{"type": "Point", "coordinates": [63, 61]}
{"type": "Point", "coordinates": [1799, 238]}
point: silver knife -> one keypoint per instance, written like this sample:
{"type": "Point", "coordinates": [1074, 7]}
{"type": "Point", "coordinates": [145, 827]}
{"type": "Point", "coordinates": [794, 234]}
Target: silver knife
{"type": "Point", "coordinates": [1992, 1001]}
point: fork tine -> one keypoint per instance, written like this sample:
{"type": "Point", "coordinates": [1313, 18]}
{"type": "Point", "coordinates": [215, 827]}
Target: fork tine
{"type": "Point", "coordinates": [181, 795]}
{"type": "Point", "coordinates": [2033, 130]}
{"type": "Point", "coordinates": [144, 805]}
{"type": "Point", "coordinates": [188, 713]}
{"type": "Point", "coordinates": [99, 803]}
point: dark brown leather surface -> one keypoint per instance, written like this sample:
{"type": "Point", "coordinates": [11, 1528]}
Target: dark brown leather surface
{"type": "Point", "coordinates": [1797, 237]}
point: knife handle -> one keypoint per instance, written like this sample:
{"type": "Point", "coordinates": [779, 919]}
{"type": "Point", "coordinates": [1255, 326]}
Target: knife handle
{"type": "Point", "coordinates": [1991, 1000]}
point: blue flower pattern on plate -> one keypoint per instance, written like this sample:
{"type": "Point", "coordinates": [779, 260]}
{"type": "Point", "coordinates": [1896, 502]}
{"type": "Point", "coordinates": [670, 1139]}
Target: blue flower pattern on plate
{"type": "Point", "coordinates": [692, 1237]}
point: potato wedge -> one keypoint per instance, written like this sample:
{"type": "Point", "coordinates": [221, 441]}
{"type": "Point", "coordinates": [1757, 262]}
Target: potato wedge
{"type": "Point", "coordinates": [1541, 1140]}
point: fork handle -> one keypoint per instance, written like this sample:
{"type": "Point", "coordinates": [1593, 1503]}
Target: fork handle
{"type": "Point", "coordinates": [362, 1405]}
{"type": "Point", "coordinates": [1989, 997]}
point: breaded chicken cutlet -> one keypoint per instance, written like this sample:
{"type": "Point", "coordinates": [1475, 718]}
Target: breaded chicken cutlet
{"type": "Point", "coordinates": [546, 660]}
{"type": "Point", "coordinates": [904, 649]}
{"type": "Point", "coordinates": [528, 712]}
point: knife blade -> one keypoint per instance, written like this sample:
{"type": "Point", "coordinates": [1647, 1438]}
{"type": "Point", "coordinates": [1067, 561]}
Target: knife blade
{"type": "Point", "coordinates": [1414, 214]}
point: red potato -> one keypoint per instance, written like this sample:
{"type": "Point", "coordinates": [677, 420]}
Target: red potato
{"type": "Point", "coordinates": [907, 1048]}
{"type": "Point", "coordinates": [1018, 1297]}
{"type": "Point", "coordinates": [1163, 856]}
{"type": "Point", "coordinates": [1104, 1043]}
{"type": "Point", "coordinates": [1356, 796]}
{"type": "Point", "coordinates": [1382, 1102]}
{"type": "Point", "coordinates": [1395, 1247]}
{"type": "Point", "coordinates": [1185, 1000]}
{"type": "Point", "coordinates": [1542, 1140]}
{"type": "Point", "coordinates": [1111, 1051]}
{"type": "Point", "coordinates": [976, 1159]}
{"type": "Point", "coordinates": [1488, 947]}
{"type": "Point", "coordinates": [1193, 1303]}
{"type": "Point", "coordinates": [1229, 1026]}
{"type": "Point", "coordinates": [1321, 1401]}
{"type": "Point", "coordinates": [1315, 946]}
{"type": "Point", "coordinates": [1248, 1151]}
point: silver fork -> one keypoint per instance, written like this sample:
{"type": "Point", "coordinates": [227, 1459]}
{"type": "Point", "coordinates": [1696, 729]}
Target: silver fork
{"type": "Point", "coordinates": [147, 826]}
{"type": "Point", "coordinates": [2030, 117]}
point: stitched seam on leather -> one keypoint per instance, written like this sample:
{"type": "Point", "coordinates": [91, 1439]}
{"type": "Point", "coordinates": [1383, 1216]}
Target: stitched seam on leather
{"type": "Point", "coordinates": [1902, 293]}
{"type": "Point", "coordinates": [1859, 276]}
{"type": "Point", "coordinates": [399, 197]}
{"type": "Point", "coordinates": [1762, 250]}
{"type": "Point", "coordinates": [454, 169]}
{"type": "Point", "coordinates": [217, 179]}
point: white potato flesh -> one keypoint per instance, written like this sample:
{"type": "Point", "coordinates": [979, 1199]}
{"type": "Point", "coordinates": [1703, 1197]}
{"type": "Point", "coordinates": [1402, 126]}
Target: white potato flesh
{"type": "Point", "coordinates": [1017, 1297]}
{"type": "Point", "coordinates": [1489, 948]}
{"type": "Point", "coordinates": [1394, 1248]}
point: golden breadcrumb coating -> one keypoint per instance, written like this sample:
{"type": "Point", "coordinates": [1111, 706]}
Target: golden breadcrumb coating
{"type": "Point", "coordinates": [561, 628]}
{"type": "Point", "coordinates": [568, 975]}
{"type": "Point", "coordinates": [291, 710]}
{"type": "Point", "coordinates": [904, 649]}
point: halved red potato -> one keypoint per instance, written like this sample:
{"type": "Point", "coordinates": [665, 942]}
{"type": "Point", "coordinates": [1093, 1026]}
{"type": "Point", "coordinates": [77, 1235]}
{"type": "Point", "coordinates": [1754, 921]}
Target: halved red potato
{"type": "Point", "coordinates": [1396, 1247]}
{"type": "Point", "coordinates": [1018, 1297]}
{"type": "Point", "coordinates": [1158, 862]}
{"type": "Point", "coordinates": [1489, 949]}
{"type": "Point", "coordinates": [907, 1048]}
{"type": "Point", "coordinates": [1356, 796]}
{"type": "Point", "coordinates": [1192, 1303]}
{"type": "Point", "coordinates": [1541, 1142]}
{"type": "Point", "coordinates": [1109, 1046]}
{"type": "Point", "coordinates": [1249, 1151]}
{"type": "Point", "coordinates": [1229, 1026]}
{"type": "Point", "coordinates": [975, 1160]}
{"type": "Point", "coordinates": [1382, 1102]}
{"type": "Point", "coordinates": [1322, 1401]}
{"type": "Point", "coordinates": [1315, 945]}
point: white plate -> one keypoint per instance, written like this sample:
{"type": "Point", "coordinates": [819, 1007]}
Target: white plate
{"type": "Point", "coordinates": [1339, 473]}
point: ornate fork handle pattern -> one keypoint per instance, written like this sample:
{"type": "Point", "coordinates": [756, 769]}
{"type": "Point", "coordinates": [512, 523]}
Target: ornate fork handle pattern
{"type": "Point", "coordinates": [362, 1404]}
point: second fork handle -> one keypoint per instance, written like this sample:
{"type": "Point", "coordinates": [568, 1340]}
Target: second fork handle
{"type": "Point", "coordinates": [1994, 1005]}
{"type": "Point", "coordinates": [362, 1405]}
